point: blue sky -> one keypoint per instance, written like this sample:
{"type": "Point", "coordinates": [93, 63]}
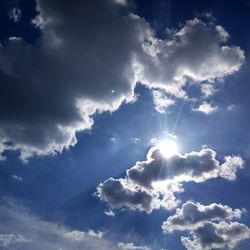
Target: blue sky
{"type": "Point", "coordinates": [90, 91]}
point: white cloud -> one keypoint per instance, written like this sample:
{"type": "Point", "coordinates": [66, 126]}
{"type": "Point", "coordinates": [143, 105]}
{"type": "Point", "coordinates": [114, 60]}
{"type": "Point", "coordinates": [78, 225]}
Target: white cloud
{"type": "Point", "coordinates": [135, 140]}
{"type": "Point", "coordinates": [161, 101]}
{"type": "Point", "coordinates": [206, 108]}
{"type": "Point", "coordinates": [207, 89]}
{"type": "Point", "coordinates": [152, 183]}
{"type": "Point", "coordinates": [197, 51]}
{"type": "Point", "coordinates": [109, 212]}
{"type": "Point", "coordinates": [131, 246]}
{"type": "Point", "coordinates": [17, 178]}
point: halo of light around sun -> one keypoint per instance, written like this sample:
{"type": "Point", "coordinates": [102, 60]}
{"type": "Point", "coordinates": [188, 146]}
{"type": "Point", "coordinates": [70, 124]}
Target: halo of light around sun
{"type": "Point", "coordinates": [168, 148]}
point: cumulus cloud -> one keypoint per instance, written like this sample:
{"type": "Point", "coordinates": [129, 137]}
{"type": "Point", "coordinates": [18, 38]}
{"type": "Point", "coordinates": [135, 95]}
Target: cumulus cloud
{"type": "Point", "coordinates": [197, 51]}
{"type": "Point", "coordinates": [20, 229]}
{"type": "Point", "coordinates": [88, 60]}
{"type": "Point", "coordinates": [152, 183]}
{"type": "Point", "coordinates": [206, 108]}
{"type": "Point", "coordinates": [193, 215]}
{"type": "Point", "coordinates": [217, 236]}
{"type": "Point", "coordinates": [209, 226]}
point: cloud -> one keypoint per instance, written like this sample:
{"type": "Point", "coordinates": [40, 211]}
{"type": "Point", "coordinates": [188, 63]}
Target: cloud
{"type": "Point", "coordinates": [131, 246]}
{"type": "Point", "coordinates": [209, 226]}
{"type": "Point", "coordinates": [206, 108]}
{"type": "Point", "coordinates": [20, 229]}
{"type": "Point", "coordinates": [193, 215]}
{"type": "Point", "coordinates": [15, 14]}
{"type": "Point", "coordinates": [207, 89]}
{"type": "Point", "coordinates": [194, 166]}
{"type": "Point", "coordinates": [197, 51]}
{"type": "Point", "coordinates": [109, 212]}
{"type": "Point", "coordinates": [88, 60]}
{"type": "Point", "coordinates": [217, 236]}
{"type": "Point", "coordinates": [152, 183]}
{"type": "Point", "coordinates": [17, 178]}
{"type": "Point", "coordinates": [161, 101]}
{"type": "Point", "coordinates": [7, 240]}
{"type": "Point", "coordinates": [120, 193]}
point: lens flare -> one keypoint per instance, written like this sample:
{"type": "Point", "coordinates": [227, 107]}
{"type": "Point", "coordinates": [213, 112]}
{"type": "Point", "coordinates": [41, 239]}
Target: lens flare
{"type": "Point", "coordinates": [168, 148]}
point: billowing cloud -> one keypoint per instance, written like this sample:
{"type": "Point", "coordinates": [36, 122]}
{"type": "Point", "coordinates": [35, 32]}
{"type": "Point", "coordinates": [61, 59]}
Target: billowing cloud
{"type": "Point", "coordinates": [193, 215]}
{"type": "Point", "coordinates": [121, 193]}
{"type": "Point", "coordinates": [152, 183]}
{"type": "Point", "coordinates": [194, 166]}
{"type": "Point", "coordinates": [206, 108]}
{"type": "Point", "coordinates": [217, 236]}
{"type": "Point", "coordinates": [88, 60]}
{"type": "Point", "coordinates": [197, 51]}
{"type": "Point", "coordinates": [209, 227]}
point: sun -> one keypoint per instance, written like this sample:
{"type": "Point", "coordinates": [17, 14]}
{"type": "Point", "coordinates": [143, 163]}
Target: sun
{"type": "Point", "coordinates": [168, 148]}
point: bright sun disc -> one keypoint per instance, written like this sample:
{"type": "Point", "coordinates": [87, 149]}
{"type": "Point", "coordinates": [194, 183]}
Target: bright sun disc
{"type": "Point", "coordinates": [168, 148]}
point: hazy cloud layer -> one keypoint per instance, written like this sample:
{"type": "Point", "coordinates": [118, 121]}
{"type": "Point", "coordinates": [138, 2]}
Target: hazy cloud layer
{"type": "Point", "coordinates": [20, 229]}
{"type": "Point", "coordinates": [152, 183]}
{"type": "Point", "coordinates": [87, 60]}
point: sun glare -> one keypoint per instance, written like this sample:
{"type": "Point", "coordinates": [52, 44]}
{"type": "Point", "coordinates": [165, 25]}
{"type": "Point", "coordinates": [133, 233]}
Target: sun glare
{"type": "Point", "coordinates": [168, 148]}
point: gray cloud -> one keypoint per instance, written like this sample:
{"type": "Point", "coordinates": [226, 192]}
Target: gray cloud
{"type": "Point", "coordinates": [217, 236]}
{"type": "Point", "coordinates": [88, 61]}
{"type": "Point", "coordinates": [120, 193]}
{"type": "Point", "coordinates": [152, 183]}
{"type": "Point", "coordinates": [193, 215]}
{"type": "Point", "coordinates": [209, 226]}
{"type": "Point", "coordinates": [194, 166]}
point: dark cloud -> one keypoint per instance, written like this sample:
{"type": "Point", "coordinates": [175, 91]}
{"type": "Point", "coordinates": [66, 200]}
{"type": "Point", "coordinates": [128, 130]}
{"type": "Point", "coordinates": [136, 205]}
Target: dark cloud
{"type": "Point", "coordinates": [119, 194]}
{"type": "Point", "coordinates": [217, 236]}
{"type": "Point", "coordinates": [152, 183]}
{"type": "Point", "coordinates": [193, 215]}
{"type": "Point", "coordinates": [194, 166]}
{"type": "Point", "coordinates": [209, 227]}
{"type": "Point", "coordinates": [88, 59]}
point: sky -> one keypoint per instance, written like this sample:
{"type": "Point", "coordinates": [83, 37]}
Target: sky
{"type": "Point", "coordinates": [124, 124]}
